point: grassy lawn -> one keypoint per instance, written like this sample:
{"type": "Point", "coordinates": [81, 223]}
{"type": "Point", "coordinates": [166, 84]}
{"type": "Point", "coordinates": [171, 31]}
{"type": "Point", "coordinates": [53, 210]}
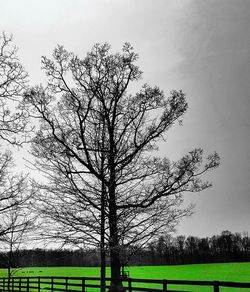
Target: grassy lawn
{"type": "Point", "coordinates": [235, 272]}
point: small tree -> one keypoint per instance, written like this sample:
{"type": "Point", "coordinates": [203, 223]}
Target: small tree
{"type": "Point", "coordinates": [93, 132]}
{"type": "Point", "coordinates": [18, 223]}
{"type": "Point", "coordinates": [14, 215]}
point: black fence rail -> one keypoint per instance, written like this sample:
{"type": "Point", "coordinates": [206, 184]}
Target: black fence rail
{"type": "Point", "coordinates": [87, 284]}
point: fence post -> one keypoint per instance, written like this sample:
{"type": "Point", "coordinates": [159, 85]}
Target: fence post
{"type": "Point", "coordinates": [8, 286]}
{"type": "Point", "coordinates": [66, 284]}
{"type": "Point", "coordinates": [83, 284]}
{"type": "Point", "coordinates": [216, 286]}
{"type": "Point", "coordinates": [129, 285]}
{"type": "Point", "coordinates": [52, 284]}
{"type": "Point", "coordinates": [20, 284]}
{"type": "Point", "coordinates": [3, 284]}
{"type": "Point", "coordinates": [12, 283]}
{"type": "Point", "coordinates": [39, 284]}
{"type": "Point", "coordinates": [28, 284]}
{"type": "Point", "coordinates": [164, 285]}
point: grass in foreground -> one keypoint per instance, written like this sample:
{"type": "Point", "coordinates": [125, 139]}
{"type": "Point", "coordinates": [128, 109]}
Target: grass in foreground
{"type": "Point", "coordinates": [234, 272]}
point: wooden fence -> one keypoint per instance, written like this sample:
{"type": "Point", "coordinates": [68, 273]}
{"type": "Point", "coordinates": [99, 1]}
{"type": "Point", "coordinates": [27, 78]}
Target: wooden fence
{"type": "Point", "coordinates": [80, 284]}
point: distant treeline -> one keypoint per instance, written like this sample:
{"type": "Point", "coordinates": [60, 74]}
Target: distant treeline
{"type": "Point", "coordinates": [166, 250]}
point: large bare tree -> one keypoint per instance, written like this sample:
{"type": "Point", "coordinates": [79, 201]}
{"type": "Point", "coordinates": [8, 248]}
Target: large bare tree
{"type": "Point", "coordinates": [14, 190]}
{"type": "Point", "coordinates": [98, 146]}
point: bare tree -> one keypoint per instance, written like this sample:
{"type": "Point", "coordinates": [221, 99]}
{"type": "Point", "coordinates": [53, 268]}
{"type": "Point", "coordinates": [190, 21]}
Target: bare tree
{"type": "Point", "coordinates": [17, 223]}
{"type": "Point", "coordinates": [14, 193]}
{"type": "Point", "coordinates": [13, 81]}
{"type": "Point", "coordinates": [15, 217]}
{"type": "Point", "coordinates": [93, 132]}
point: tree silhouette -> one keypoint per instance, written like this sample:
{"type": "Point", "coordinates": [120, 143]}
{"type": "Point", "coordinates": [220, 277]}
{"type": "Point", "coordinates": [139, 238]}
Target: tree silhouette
{"type": "Point", "coordinates": [94, 133]}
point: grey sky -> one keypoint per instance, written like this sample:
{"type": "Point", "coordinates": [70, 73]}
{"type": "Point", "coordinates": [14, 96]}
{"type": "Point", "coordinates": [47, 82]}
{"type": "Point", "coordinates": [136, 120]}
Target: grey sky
{"type": "Point", "coordinates": [202, 47]}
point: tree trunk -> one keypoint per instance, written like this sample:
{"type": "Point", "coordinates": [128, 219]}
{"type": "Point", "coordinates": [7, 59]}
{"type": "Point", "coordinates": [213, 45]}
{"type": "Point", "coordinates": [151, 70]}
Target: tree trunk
{"type": "Point", "coordinates": [102, 247]}
{"type": "Point", "coordinates": [115, 265]}
{"type": "Point", "coordinates": [9, 267]}
{"type": "Point", "coordinates": [103, 270]}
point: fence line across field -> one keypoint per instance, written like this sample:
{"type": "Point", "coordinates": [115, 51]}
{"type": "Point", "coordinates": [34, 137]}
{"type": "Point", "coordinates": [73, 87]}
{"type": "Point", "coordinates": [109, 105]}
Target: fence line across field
{"type": "Point", "coordinates": [82, 284]}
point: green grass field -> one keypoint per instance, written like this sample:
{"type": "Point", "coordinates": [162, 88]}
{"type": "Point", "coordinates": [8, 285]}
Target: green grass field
{"type": "Point", "coordinates": [235, 272]}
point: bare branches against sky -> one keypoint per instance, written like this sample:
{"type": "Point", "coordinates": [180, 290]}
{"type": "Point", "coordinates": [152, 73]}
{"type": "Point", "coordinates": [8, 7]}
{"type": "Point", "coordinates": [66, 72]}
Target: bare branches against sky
{"type": "Point", "coordinates": [201, 47]}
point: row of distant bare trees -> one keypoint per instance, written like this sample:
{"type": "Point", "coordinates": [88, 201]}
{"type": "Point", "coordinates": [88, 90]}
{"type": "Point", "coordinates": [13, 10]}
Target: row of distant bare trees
{"type": "Point", "coordinates": [166, 250]}
{"type": "Point", "coordinates": [103, 185]}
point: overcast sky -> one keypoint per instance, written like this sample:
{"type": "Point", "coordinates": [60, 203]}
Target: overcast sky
{"type": "Point", "coordinates": [201, 47]}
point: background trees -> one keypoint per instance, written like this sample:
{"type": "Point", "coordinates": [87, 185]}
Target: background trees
{"type": "Point", "coordinates": [162, 251]}
{"type": "Point", "coordinates": [193, 249]}
{"type": "Point", "coordinates": [96, 138]}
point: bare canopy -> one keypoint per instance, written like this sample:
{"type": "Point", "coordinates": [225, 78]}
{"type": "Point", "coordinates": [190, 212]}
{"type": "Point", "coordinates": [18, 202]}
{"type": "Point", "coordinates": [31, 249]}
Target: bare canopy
{"type": "Point", "coordinates": [13, 81]}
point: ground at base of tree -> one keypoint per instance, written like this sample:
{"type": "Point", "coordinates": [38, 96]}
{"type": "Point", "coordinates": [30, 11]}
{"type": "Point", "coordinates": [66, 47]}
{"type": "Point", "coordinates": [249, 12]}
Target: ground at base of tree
{"type": "Point", "coordinates": [235, 272]}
